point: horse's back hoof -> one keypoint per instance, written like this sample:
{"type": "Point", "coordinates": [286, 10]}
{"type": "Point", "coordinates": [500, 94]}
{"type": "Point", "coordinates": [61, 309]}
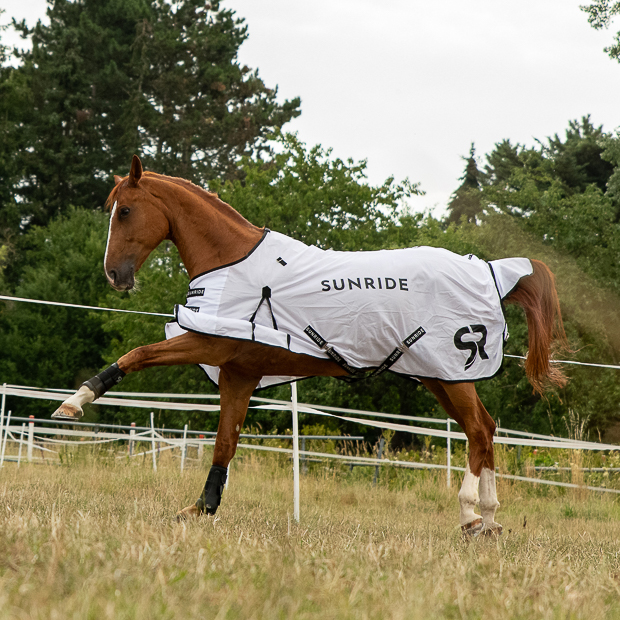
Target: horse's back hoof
{"type": "Point", "coordinates": [67, 412]}
{"type": "Point", "coordinates": [189, 514]}
{"type": "Point", "coordinates": [490, 530]}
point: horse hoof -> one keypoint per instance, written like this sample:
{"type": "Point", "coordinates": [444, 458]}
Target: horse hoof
{"type": "Point", "coordinates": [472, 530]}
{"type": "Point", "coordinates": [188, 514]}
{"type": "Point", "coordinates": [67, 412]}
{"type": "Point", "coordinates": [490, 530]}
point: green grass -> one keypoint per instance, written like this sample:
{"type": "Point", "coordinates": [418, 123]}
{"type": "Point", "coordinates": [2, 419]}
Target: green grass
{"type": "Point", "coordinates": [98, 540]}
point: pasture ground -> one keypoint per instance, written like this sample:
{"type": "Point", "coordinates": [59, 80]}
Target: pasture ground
{"type": "Point", "coordinates": [97, 539]}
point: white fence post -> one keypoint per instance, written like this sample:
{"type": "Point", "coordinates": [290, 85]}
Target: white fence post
{"type": "Point", "coordinates": [2, 410]}
{"type": "Point", "coordinates": [295, 451]}
{"type": "Point", "coordinates": [21, 442]}
{"type": "Point", "coordinates": [183, 447]}
{"type": "Point", "coordinates": [379, 456]}
{"type": "Point", "coordinates": [132, 433]}
{"type": "Point", "coordinates": [6, 436]}
{"type": "Point", "coordinates": [30, 440]}
{"type": "Point", "coordinates": [448, 455]}
{"type": "Point", "coordinates": [153, 442]}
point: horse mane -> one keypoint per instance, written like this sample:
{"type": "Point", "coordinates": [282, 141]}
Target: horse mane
{"type": "Point", "coordinates": [210, 197]}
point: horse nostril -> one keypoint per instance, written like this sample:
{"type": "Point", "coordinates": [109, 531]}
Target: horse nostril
{"type": "Point", "coordinates": [112, 274]}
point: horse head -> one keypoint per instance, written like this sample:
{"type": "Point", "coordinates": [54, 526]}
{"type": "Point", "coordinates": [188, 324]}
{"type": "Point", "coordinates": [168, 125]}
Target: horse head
{"type": "Point", "coordinates": [138, 224]}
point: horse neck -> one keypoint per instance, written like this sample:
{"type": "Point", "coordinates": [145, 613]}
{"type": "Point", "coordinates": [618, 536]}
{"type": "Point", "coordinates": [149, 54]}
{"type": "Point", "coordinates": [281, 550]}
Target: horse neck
{"type": "Point", "coordinates": [208, 232]}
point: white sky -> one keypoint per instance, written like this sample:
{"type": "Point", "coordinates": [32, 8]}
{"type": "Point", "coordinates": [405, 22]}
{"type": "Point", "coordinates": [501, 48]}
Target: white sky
{"type": "Point", "coordinates": [409, 85]}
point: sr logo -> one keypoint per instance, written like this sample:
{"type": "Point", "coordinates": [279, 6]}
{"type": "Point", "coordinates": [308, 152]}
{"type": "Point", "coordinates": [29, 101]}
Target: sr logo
{"type": "Point", "coordinates": [473, 346]}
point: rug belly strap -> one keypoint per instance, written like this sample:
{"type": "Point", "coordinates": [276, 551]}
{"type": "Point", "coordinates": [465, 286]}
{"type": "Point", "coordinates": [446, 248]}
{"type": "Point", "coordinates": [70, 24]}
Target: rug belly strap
{"type": "Point", "coordinates": [358, 374]}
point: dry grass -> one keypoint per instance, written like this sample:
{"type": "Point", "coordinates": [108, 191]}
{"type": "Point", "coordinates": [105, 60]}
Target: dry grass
{"type": "Point", "coordinates": [97, 540]}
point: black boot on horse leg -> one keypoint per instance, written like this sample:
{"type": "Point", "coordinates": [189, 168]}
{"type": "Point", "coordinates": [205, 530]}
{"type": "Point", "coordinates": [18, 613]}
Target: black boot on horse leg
{"type": "Point", "coordinates": [211, 495]}
{"type": "Point", "coordinates": [235, 392]}
{"type": "Point", "coordinates": [97, 386]}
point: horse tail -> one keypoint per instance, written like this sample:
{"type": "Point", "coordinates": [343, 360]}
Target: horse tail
{"type": "Point", "coordinates": [537, 295]}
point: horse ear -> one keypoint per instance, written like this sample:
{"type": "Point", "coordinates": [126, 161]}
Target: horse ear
{"type": "Point", "coordinates": [117, 179]}
{"type": "Point", "coordinates": [135, 172]}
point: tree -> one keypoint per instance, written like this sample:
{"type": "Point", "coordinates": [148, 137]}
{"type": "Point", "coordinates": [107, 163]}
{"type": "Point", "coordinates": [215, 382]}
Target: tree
{"type": "Point", "coordinates": [577, 161]}
{"type": "Point", "coordinates": [465, 201]}
{"type": "Point", "coordinates": [53, 346]}
{"type": "Point", "coordinates": [305, 194]}
{"type": "Point", "coordinates": [106, 79]}
{"type": "Point", "coordinates": [501, 163]}
{"type": "Point", "coordinates": [600, 15]}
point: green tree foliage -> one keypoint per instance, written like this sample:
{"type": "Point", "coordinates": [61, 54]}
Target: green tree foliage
{"type": "Point", "coordinates": [601, 14]}
{"type": "Point", "coordinates": [106, 79]}
{"type": "Point", "coordinates": [562, 187]}
{"type": "Point", "coordinates": [52, 346]}
{"type": "Point", "coordinates": [465, 202]}
{"type": "Point", "coordinates": [309, 196]}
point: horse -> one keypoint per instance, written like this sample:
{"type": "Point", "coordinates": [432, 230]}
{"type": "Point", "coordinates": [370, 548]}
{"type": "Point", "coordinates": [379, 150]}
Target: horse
{"type": "Point", "coordinates": [147, 208]}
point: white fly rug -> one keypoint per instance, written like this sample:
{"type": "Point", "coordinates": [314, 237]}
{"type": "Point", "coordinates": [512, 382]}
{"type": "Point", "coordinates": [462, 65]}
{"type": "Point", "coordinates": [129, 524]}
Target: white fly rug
{"type": "Point", "coordinates": [421, 312]}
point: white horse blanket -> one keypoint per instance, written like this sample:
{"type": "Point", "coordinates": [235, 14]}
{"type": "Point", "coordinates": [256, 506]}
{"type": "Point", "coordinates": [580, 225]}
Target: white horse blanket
{"type": "Point", "coordinates": [420, 312]}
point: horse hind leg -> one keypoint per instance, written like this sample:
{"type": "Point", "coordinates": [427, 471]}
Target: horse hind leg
{"type": "Point", "coordinates": [461, 403]}
{"type": "Point", "coordinates": [480, 429]}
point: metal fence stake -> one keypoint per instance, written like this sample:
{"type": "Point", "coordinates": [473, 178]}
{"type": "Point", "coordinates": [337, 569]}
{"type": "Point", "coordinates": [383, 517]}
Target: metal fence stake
{"type": "Point", "coordinates": [304, 469]}
{"type": "Point", "coordinates": [6, 436]}
{"type": "Point", "coordinates": [30, 440]}
{"type": "Point", "coordinates": [183, 448]}
{"type": "Point", "coordinates": [448, 454]}
{"type": "Point", "coordinates": [381, 444]}
{"type": "Point", "coordinates": [295, 451]}
{"type": "Point", "coordinates": [153, 442]}
{"type": "Point", "coordinates": [21, 443]}
{"type": "Point", "coordinates": [132, 433]}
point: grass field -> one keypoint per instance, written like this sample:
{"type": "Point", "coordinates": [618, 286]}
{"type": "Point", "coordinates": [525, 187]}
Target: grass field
{"type": "Point", "coordinates": [98, 540]}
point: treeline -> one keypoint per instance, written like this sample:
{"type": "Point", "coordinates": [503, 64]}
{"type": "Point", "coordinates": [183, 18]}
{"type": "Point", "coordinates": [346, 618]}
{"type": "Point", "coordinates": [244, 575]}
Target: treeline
{"type": "Point", "coordinates": [105, 80]}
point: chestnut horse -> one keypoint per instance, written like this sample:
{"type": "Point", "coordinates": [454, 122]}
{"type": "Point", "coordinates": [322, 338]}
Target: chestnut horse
{"type": "Point", "coordinates": [147, 208]}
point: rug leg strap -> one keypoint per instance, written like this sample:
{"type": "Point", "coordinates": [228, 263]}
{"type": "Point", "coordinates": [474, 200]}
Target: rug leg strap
{"type": "Point", "coordinates": [211, 496]}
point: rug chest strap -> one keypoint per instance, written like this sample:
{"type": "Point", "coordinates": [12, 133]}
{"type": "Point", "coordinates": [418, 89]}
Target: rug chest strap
{"type": "Point", "coordinates": [267, 299]}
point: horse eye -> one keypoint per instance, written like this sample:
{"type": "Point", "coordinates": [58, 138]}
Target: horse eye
{"type": "Point", "coordinates": [124, 211]}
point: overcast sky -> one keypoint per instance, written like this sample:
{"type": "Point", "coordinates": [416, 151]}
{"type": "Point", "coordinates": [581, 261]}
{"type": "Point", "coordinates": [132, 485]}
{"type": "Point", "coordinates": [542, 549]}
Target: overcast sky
{"type": "Point", "coordinates": [408, 85]}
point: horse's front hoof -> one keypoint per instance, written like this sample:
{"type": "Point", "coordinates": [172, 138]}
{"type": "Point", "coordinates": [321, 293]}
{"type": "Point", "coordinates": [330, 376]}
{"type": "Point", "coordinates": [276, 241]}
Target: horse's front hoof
{"type": "Point", "coordinates": [67, 412]}
{"type": "Point", "coordinates": [189, 514]}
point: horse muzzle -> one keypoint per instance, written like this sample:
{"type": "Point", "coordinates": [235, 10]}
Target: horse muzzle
{"type": "Point", "coordinates": [121, 278]}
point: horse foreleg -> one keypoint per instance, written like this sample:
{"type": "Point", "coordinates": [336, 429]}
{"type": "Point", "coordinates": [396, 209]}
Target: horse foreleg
{"type": "Point", "coordinates": [235, 390]}
{"type": "Point", "coordinates": [461, 402]}
{"type": "Point", "coordinates": [188, 348]}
